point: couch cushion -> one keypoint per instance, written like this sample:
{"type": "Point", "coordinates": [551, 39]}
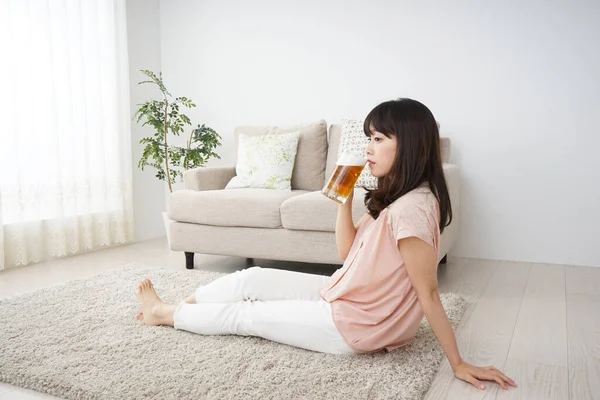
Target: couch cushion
{"type": "Point", "coordinates": [232, 207]}
{"type": "Point", "coordinates": [315, 212]}
{"type": "Point", "coordinates": [309, 166]}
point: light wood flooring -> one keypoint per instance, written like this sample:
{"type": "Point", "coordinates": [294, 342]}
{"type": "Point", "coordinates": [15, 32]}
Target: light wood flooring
{"type": "Point", "coordinates": [539, 323]}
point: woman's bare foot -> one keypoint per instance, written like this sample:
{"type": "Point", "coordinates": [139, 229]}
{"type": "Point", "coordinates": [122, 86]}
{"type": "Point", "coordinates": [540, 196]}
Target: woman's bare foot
{"type": "Point", "coordinates": [191, 299]}
{"type": "Point", "coordinates": [153, 310]}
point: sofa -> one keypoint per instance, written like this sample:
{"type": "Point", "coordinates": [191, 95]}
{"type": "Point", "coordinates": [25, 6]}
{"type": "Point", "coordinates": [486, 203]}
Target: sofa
{"type": "Point", "coordinates": [288, 225]}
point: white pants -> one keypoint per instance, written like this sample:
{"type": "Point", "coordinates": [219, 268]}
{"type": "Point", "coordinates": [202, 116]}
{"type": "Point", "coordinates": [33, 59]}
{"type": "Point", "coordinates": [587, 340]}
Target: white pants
{"type": "Point", "coordinates": [283, 306]}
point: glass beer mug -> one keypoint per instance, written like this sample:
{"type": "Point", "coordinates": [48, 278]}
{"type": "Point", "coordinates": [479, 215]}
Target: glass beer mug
{"type": "Point", "coordinates": [342, 181]}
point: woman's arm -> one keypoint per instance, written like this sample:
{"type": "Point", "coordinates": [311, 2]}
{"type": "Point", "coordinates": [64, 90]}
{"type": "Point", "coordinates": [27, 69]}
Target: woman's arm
{"type": "Point", "coordinates": [421, 264]}
{"type": "Point", "coordinates": [345, 231]}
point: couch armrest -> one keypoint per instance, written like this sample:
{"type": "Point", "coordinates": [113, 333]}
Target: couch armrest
{"type": "Point", "coordinates": [452, 174]}
{"type": "Point", "coordinates": [203, 178]}
{"type": "Point", "coordinates": [452, 231]}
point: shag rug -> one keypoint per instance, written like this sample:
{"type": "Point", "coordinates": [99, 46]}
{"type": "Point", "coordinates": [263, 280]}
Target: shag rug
{"type": "Point", "coordinates": [80, 340]}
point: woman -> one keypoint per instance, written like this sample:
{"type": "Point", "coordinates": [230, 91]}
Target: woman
{"type": "Point", "coordinates": [388, 281]}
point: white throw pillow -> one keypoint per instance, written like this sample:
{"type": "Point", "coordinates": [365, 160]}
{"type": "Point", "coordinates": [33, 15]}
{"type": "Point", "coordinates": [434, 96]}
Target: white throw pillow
{"type": "Point", "coordinates": [353, 139]}
{"type": "Point", "coordinates": [265, 161]}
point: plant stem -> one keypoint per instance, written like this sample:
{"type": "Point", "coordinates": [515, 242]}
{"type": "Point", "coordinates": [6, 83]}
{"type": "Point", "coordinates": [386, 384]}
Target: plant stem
{"type": "Point", "coordinates": [189, 144]}
{"type": "Point", "coordinates": [166, 146]}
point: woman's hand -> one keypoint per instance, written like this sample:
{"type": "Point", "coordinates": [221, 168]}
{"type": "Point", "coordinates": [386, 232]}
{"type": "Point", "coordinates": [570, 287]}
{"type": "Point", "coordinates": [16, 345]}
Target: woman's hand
{"type": "Point", "coordinates": [349, 200]}
{"type": "Point", "coordinates": [471, 374]}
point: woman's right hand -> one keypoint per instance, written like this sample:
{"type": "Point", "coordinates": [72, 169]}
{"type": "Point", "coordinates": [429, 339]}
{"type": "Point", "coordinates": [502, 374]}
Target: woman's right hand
{"type": "Point", "coordinates": [348, 202]}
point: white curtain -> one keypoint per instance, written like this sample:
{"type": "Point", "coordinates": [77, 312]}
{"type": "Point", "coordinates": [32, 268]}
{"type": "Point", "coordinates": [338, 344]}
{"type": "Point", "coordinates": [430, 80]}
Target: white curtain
{"type": "Point", "coordinates": [65, 140]}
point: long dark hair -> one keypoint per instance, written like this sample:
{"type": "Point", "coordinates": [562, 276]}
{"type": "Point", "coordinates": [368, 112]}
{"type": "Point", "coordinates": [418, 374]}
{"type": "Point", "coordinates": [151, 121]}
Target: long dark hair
{"type": "Point", "coordinates": [417, 159]}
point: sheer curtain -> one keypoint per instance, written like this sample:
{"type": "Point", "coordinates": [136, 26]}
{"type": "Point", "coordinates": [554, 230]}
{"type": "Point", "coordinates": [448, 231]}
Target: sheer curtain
{"type": "Point", "coordinates": [65, 149]}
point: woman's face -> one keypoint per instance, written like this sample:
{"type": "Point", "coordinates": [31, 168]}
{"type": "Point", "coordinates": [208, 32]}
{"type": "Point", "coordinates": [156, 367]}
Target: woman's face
{"type": "Point", "coordinates": [381, 152]}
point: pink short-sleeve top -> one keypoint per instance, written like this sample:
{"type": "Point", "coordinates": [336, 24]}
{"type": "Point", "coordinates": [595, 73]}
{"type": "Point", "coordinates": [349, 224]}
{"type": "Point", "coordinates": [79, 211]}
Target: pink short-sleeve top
{"type": "Point", "coordinates": [374, 305]}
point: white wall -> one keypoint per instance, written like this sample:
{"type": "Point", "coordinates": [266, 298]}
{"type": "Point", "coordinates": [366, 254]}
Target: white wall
{"type": "Point", "coordinates": [514, 84]}
{"type": "Point", "coordinates": [143, 31]}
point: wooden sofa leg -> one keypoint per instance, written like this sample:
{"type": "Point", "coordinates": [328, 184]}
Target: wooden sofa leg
{"type": "Point", "coordinates": [189, 260]}
{"type": "Point", "coordinates": [249, 262]}
{"type": "Point", "coordinates": [444, 260]}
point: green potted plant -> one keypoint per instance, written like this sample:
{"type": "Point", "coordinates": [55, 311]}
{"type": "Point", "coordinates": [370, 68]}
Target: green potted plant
{"type": "Point", "coordinates": [165, 117]}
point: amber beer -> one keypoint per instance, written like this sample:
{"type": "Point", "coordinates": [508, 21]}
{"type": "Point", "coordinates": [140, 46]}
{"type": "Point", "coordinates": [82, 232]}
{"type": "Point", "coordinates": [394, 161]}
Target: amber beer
{"type": "Point", "coordinates": [341, 183]}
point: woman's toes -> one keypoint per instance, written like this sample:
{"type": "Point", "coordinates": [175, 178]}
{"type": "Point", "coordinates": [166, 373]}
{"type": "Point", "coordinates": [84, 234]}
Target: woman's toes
{"type": "Point", "coordinates": [139, 316]}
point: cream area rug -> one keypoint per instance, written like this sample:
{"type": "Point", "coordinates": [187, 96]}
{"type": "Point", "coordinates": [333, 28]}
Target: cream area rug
{"type": "Point", "coordinates": [80, 340]}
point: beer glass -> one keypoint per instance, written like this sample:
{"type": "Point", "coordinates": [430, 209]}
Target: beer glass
{"type": "Point", "coordinates": [342, 181]}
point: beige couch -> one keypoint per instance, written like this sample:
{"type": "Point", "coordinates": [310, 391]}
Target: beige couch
{"type": "Point", "coordinates": [296, 225]}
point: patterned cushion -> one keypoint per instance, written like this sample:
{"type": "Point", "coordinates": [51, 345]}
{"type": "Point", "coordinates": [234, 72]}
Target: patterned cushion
{"type": "Point", "coordinates": [265, 161]}
{"type": "Point", "coordinates": [354, 140]}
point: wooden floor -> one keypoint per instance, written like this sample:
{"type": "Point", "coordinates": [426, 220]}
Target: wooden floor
{"type": "Point", "coordinates": [538, 323]}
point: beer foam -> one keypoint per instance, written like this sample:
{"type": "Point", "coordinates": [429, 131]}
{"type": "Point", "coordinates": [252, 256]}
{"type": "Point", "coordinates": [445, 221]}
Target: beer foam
{"type": "Point", "coordinates": [351, 159]}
